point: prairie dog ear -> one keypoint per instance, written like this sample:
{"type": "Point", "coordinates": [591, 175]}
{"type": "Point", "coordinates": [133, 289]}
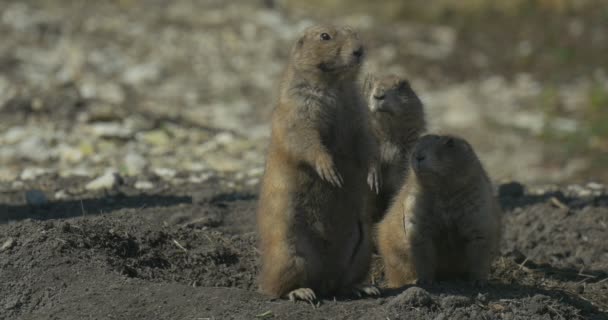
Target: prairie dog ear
{"type": "Point", "coordinates": [403, 84]}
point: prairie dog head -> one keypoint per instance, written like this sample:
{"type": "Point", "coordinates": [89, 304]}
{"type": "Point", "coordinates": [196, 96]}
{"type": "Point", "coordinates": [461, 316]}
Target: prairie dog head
{"type": "Point", "coordinates": [444, 159]}
{"type": "Point", "coordinates": [392, 96]}
{"type": "Point", "coordinates": [328, 49]}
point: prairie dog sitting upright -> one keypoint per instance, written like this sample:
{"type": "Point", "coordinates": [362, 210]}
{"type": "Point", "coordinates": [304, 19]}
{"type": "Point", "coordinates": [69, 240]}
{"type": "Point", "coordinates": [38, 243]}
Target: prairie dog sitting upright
{"type": "Point", "coordinates": [312, 221]}
{"type": "Point", "coordinates": [397, 120]}
{"type": "Point", "coordinates": [445, 223]}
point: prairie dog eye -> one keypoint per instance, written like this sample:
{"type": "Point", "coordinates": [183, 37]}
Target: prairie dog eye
{"type": "Point", "coordinates": [325, 36]}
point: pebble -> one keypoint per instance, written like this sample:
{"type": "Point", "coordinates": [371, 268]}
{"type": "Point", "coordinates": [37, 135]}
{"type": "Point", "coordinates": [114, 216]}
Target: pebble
{"type": "Point", "coordinates": [61, 194]}
{"type": "Point", "coordinates": [32, 173]}
{"type": "Point", "coordinates": [165, 173]}
{"type": "Point", "coordinates": [144, 185]}
{"type": "Point", "coordinates": [110, 130]}
{"type": "Point", "coordinates": [8, 244]}
{"type": "Point", "coordinates": [155, 137]}
{"type": "Point", "coordinates": [35, 149]}
{"type": "Point", "coordinates": [135, 163]}
{"type": "Point", "coordinates": [107, 181]}
{"type": "Point", "coordinates": [36, 198]}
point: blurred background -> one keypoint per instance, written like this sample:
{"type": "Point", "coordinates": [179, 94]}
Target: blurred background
{"type": "Point", "coordinates": [185, 88]}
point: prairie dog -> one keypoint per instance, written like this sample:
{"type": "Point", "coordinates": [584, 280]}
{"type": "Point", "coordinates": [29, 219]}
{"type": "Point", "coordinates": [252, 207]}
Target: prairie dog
{"type": "Point", "coordinates": [397, 121]}
{"type": "Point", "coordinates": [312, 222]}
{"type": "Point", "coordinates": [445, 223]}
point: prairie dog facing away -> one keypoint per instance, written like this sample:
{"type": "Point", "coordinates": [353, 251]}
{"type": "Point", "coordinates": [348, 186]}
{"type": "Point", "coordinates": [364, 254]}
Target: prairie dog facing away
{"type": "Point", "coordinates": [397, 121]}
{"type": "Point", "coordinates": [313, 227]}
{"type": "Point", "coordinates": [445, 223]}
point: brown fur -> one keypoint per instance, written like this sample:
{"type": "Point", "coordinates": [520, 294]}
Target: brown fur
{"type": "Point", "coordinates": [397, 120]}
{"type": "Point", "coordinates": [445, 223]}
{"type": "Point", "coordinates": [314, 233]}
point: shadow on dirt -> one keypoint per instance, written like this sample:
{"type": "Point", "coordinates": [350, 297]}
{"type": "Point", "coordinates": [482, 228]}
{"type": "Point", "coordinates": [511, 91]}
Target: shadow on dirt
{"type": "Point", "coordinates": [86, 207]}
{"type": "Point", "coordinates": [512, 195]}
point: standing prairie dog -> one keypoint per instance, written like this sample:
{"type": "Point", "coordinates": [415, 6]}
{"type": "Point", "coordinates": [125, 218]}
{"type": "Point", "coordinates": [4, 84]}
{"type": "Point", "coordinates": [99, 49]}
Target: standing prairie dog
{"type": "Point", "coordinates": [397, 120]}
{"type": "Point", "coordinates": [312, 222]}
{"type": "Point", "coordinates": [445, 223]}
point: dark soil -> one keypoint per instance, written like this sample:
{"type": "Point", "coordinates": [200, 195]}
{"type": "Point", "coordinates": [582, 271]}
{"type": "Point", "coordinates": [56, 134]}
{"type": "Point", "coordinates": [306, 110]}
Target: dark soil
{"type": "Point", "coordinates": [188, 252]}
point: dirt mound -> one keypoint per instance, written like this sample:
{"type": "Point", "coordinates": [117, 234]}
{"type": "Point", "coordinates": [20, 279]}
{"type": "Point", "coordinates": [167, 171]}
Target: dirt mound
{"type": "Point", "coordinates": [188, 251]}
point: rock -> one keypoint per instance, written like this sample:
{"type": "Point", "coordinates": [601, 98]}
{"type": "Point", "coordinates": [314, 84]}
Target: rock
{"type": "Point", "coordinates": [144, 185]}
{"type": "Point", "coordinates": [225, 163]}
{"type": "Point", "coordinates": [412, 297]}
{"type": "Point", "coordinates": [70, 155]}
{"type": "Point", "coordinates": [61, 194]}
{"type": "Point", "coordinates": [511, 189]}
{"type": "Point", "coordinates": [8, 244]}
{"type": "Point", "coordinates": [35, 149]}
{"type": "Point", "coordinates": [135, 163]}
{"type": "Point", "coordinates": [36, 198]}
{"type": "Point", "coordinates": [165, 173]}
{"type": "Point", "coordinates": [107, 181]}
{"type": "Point", "coordinates": [111, 130]}
{"type": "Point", "coordinates": [155, 137]}
{"type": "Point", "coordinates": [595, 186]}
{"type": "Point", "coordinates": [7, 174]}
{"type": "Point", "coordinates": [32, 173]}
{"type": "Point", "coordinates": [103, 112]}
{"type": "Point", "coordinates": [482, 297]}
{"type": "Point", "coordinates": [15, 134]}
{"type": "Point", "coordinates": [139, 74]}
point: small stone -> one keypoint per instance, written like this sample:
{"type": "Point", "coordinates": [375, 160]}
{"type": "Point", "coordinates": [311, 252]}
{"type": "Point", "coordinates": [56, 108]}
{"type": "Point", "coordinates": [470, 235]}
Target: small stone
{"type": "Point", "coordinates": [141, 73]}
{"type": "Point", "coordinates": [595, 186]}
{"type": "Point", "coordinates": [106, 181]}
{"type": "Point", "coordinates": [165, 173]}
{"type": "Point", "coordinates": [511, 189]}
{"type": "Point", "coordinates": [36, 198]}
{"type": "Point", "coordinates": [35, 149]}
{"type": "Point", "coordinates": [12, 303]}
{"type": "Point", "coordinates": [15, 134]}
{"type": "Point", "coordinates": [17, 184]}
{"type": "Point", "coordinates": [111, 130]}
{"type": "Point", "coordinates": [155, 137]}
{"type": "Point", "coordinates": [71, 155]}
{"type": "Point", "coordinates": [482, 297]}
{"type": "Point", "coordinates": [32, 173]}
{"type": "Point", "coordinates": [135, 163]}
{"type": "Point", "coordinates": [8, 244]}
{"type": "Point", "coordinates": [412, 297]}
{"type": "Point", "coordinates": [61, 194]}
{"type": "Point", "coordinates": [144, 185]}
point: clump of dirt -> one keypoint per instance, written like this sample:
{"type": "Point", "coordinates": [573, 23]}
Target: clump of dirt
{"type": "Point", "coordinates": [194, 257]}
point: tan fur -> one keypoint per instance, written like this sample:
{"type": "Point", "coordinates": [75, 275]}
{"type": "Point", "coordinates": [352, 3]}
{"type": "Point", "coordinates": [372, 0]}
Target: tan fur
{"type": "Point", "coordinates": [314, 233]}
{"type": "Point", "coordinates": [445, 222]}
{"type": "Point", "coordinates": [397, 120]}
